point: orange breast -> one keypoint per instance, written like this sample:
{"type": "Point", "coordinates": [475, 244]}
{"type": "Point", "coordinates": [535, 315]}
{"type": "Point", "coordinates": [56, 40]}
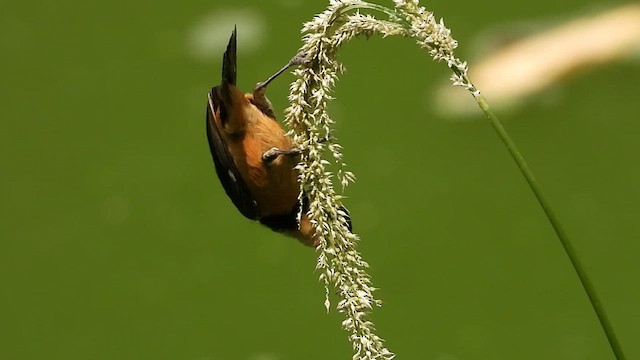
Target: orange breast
{"type": "Point", "coordinates": [273, 186]}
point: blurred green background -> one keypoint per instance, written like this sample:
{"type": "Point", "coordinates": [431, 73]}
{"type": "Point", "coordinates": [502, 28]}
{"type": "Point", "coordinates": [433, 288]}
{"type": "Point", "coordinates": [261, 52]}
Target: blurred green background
{"type": "Point", "coordinates": [118, 242]}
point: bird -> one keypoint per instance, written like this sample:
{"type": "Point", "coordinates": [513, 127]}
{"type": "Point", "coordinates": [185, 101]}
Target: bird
{"type": "Point", "coordinates": [254, 157]}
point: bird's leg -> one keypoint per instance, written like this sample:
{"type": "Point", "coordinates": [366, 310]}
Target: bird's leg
{"type": "Point", "coordinates": [273, 153]}
{"type": "Point", "coordinates": [299, 59]}
{"type": "Point", "coordinates": [259, 91]}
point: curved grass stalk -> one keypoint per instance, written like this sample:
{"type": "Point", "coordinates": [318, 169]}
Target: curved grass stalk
{"type": "Point", "coordinates": [341, 265]}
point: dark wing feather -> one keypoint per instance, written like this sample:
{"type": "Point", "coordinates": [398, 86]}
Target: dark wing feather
{"type": "Point", "coordinates": [228, 173]}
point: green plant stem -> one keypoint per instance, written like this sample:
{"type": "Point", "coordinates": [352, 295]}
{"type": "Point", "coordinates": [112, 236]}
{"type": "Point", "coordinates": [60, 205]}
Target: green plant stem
{"type": "Point", "coordinates": [562, 236]}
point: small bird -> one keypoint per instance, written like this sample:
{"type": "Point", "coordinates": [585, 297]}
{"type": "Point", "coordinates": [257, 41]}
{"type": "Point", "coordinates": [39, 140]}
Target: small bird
{"type": "Point", "coordinates": [254, 158]}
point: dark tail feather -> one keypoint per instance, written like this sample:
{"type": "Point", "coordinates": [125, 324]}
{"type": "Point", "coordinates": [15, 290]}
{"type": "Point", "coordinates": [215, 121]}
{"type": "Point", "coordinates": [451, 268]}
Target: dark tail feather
{"type": "Point", "coordinates": [229, 70]}
{"type": "Point", "coordinates": [347, 218]}
{"type": "Point", "coordinates": [224, 93]}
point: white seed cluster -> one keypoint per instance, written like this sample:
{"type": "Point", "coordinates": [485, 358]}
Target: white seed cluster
{"type": "Point", "coordinates": [435, 37]}
{"type": "Point", "coordinates": [340, 264]}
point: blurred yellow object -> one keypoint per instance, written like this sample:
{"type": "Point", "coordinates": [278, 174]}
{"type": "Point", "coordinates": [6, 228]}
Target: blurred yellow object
{"type": "Point", "coordinates": [512, 73]}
